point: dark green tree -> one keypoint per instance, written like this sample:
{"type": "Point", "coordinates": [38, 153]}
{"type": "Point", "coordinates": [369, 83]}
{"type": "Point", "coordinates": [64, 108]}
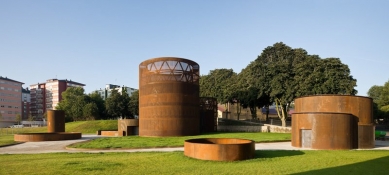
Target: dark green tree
{"type": "Point", "coordinates": [91, 111]}
{"type": "Point", "coordinates": [73, 102]}
{"type": "Point", "coordinates": [100, 103]}
{"type": "Point", "coordinates": [379, 94]}
{"type": "Point", "coordinates": [218, 84]}
{"type": "Point", "coordinates": [133, 104]}
{"type": "Point", "coordinates": [116, 105]}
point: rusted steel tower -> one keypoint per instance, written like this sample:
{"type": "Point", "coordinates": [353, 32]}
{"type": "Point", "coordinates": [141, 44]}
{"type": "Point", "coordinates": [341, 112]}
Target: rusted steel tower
{"type": "Point", "coordinates": [169, 97]}
{"type": "Point", "coordinates": [333, 122]}
{"type": "Point", "coordinates": [208, 114]}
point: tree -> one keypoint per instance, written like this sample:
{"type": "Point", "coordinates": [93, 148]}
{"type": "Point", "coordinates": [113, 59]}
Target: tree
{"type": "Point", "coordinates": [18, 118]}
{"type": "Point", "coordinates": [73, 102]}
{"type": "Point", "coordinates": [1, 117]}
{"type": "Point", "coordinates": [337, 78]}
{"type": "Point", "coordinates": [31, 118]}
{"type": "Point", "coordinates": [91, 111]}
{"type": "Point", "coordinates": [117, 105]}
{"type": "Point", "coordinates": [379, 94]}
{"type": "Point", "coordinates": [133, 104]}
{"type": "Point", "coordinates": [217, 84]}
{"type": "Point", "coordinates": [253, 85]}
{"type": "Point", "coordinates": [100, 103]}
{"type": "Point", "coordinates": [279, 61]}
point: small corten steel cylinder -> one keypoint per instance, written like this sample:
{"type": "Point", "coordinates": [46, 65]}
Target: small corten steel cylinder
{"type": "Point", "coordinates": [208, 114]}
{"type": "Point", "coordinates": [169, 97]}
{"type": "Point", "coordinates": [219, 149]}
{"type": "Point", "coordinates": [55, 121]}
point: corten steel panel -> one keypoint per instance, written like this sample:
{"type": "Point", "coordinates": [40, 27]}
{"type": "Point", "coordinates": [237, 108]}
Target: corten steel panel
{"type": "Point", "coordinates": [169, 97]}
{"type": "Point", "coordinates": [358, 106]}
{"type": "Point", "coordinates": [53, 136]}
{"type": "Point", "coordinates": [55, 121]}
{"type": "Point", "coordinates": [208, 114]}
{"type": "Point", "coordinates": [366, 137]}
{"type": "Point", "coordinates": [329, 130]}
{"type": "Point", "coordinates": [219, 149]}
{"type": "Point", "coordinates": [125, 126]}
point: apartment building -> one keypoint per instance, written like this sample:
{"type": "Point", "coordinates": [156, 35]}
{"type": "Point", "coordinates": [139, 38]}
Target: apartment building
{"type": "Point", "coordinates": [26, 101]}
{"type": "Point", "coordinates": [106, 92]}
{"type": "Point", "coordinates": [46, 96]}
{"type": "Point", "coordinates": [10, 100]}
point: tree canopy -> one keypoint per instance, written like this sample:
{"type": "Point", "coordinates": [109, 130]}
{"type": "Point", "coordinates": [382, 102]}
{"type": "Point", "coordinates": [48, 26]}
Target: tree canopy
{"type": "Point", "coordinates": [279, 75]}
{"type": "Point", "coordinates": [380, 96]}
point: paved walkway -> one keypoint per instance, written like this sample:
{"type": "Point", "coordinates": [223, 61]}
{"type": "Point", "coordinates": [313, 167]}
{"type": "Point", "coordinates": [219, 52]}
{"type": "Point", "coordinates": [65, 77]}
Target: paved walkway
{"type": "Point", "coordinates": [60, 146]}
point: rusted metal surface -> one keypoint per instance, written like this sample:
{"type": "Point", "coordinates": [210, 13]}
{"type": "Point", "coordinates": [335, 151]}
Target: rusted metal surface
{"type": "Point", "coordinates": [52, 136]}
{"type": "Point", "coordinates": [208, 114]}
{"type": "Point", "coordinates": [127, 127]}
{"type": "Point", "coordinates": [327, 130]}
{"type": "Point", "coordinates": [169, 97]}
{"type": "Point", "coordinates": [360, 108]}
{"type": "Point", "coordinates": [55, 121]}
{"type": "Point", "coordinates": [366, 137]}
{"type": "Point", "coordinates": [219, 149]}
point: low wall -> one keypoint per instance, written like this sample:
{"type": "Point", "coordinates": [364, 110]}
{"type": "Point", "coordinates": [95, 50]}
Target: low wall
{"type": "Point", "coordinates": [279, 129]}
{"type": "Point", "coordinates": [108, 133]}
{"type": "Point", "coordinates": [265, 128]}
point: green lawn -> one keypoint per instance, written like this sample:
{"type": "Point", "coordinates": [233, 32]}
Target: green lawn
{"type": "Point", "coordinates": [151, 142]}
{"type": "Point", "coordinates": [265, 162]}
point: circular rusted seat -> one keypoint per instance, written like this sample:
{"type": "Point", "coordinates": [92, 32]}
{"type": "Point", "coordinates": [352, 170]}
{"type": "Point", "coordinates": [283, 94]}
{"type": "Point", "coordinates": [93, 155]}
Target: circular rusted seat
{"type": "Point", "coordinates": [52, 136]}
{"type": "Point", "coordinates": [219, 149]}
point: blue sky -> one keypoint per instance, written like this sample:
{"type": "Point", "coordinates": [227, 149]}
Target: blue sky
{"type": "Point", "coordinates": [98, 42]}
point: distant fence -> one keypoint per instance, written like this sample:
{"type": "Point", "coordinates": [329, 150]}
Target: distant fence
{"type": "Point", "coordinates": [264, 128]}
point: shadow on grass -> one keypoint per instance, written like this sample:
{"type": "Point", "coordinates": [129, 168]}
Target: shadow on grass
{"type": "Point", "coordinates": [277, 153]}
{"type": "Point", "coordinates": [375, 166]}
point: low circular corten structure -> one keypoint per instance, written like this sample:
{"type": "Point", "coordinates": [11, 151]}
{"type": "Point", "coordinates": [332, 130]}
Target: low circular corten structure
{"type": "Point", "coordinates": [219, 149]}
{"type": "Point", "coordinates": [51, 136]}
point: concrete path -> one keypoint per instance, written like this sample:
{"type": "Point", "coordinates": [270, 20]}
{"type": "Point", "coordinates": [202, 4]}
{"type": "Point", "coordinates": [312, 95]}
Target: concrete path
{"type": "Point", "coordinates": [60, 146]}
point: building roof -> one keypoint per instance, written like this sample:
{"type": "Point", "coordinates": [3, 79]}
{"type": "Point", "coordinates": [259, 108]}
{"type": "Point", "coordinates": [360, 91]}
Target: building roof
{"type": "Point", "coordinates": [25, 90]}
{"type": "Point", "coordinates": [5, 78]}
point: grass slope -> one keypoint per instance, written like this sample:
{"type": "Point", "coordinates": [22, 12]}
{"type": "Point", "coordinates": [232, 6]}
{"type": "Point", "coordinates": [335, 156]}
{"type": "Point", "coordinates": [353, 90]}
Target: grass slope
{"type": "Point", "coordinates": [265, 162]}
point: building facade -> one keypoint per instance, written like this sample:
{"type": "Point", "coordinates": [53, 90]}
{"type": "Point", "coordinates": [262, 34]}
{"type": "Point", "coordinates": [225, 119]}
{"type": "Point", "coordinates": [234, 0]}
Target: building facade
{"type": "Point", "coordinates": [46, 96]}
{"type": "Point", "coordinates": [10, 101]}
{"type": "Point", "coordinates": [26, 101]}
{"type": "Point", "coordinates": [105, 93]}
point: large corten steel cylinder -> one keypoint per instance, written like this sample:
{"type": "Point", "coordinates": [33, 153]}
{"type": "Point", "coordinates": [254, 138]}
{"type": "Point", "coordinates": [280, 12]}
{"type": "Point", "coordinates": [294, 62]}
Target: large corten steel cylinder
{"type": "Point", "coordinates": [361, 107]}
{"type": "Point", "coordinates": [323, 130]}
{"type": "Point", "coordinates": [55, 121]}
{"type": "Point", "coordinates": [169, 97]}
{"type": "Point", "coordinates": [208, 114]}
